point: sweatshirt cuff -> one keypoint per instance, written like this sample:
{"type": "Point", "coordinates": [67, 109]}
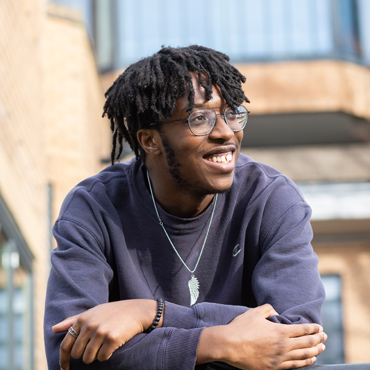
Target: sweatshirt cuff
{"type": "Point", "coordinates": [180, 349]}
{"type": "Point", "coordinates": [176, 316]}
{"type": "Point", "coordinates": [200, 315]}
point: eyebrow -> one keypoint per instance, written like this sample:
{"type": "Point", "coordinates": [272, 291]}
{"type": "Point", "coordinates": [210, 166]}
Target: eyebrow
{"type": "Point", "coordinates": [201, 106]}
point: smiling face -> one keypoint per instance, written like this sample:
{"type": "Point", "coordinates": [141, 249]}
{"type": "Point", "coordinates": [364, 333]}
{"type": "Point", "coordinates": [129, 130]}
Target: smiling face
{"type": "Point", "coordinates": [198, 165]}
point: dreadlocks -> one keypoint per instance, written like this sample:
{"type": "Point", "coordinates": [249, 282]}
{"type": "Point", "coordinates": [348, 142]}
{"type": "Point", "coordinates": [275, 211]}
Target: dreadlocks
{"type": "Point", "coordinates": [146, 92]}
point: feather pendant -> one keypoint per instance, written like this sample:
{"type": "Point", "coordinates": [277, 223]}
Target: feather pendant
{"type": "Point", "coordinates": [193, 284]}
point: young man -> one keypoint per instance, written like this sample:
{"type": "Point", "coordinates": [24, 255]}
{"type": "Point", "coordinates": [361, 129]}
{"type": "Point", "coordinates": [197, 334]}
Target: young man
{"type": "Point", "coordinates": [211, 245]}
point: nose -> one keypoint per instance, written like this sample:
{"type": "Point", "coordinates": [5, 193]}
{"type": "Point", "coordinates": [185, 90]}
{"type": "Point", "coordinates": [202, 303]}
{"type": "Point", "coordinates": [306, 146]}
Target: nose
{"type": "Point", "coordinates": [221, 130]}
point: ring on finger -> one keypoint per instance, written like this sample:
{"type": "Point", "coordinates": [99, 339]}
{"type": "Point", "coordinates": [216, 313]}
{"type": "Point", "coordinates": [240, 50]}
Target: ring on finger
{"type": "Point", "coordinates": [73, 332]}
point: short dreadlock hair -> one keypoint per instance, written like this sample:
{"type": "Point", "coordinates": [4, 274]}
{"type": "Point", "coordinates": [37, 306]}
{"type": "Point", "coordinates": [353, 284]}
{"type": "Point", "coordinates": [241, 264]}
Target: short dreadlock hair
{"type": "Point", "coordinates": [146, 92]}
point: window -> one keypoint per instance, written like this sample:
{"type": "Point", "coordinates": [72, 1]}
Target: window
{"type": "Point", "coordinates": [346, 28]}
{"type": "Point", "coordinates": [125, 31]}
{"type": "Point", "coordinates": [104, 33]}
{"type": "Point", "coordinates": [332, 321]}
{"type": "Point", "coordinates": [16, 305]}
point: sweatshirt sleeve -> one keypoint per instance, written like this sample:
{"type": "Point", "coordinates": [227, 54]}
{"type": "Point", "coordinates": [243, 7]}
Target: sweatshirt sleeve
{"type": "Point", "coordinates": [287, 276]}
{"type": "Point", "coordinates": [81, 278]}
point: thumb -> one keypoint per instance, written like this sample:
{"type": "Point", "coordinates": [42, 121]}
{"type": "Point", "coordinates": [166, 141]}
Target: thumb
{"type": "Point", "coordinates": [265, 311]}
{"type": "Point", "coordinates": [64, 325]}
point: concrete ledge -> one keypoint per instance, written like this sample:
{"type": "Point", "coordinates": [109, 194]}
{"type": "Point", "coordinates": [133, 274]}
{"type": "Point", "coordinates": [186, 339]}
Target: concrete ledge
{"type": "Point", "coordinates": [320, 163]}
{"type": "Point", "coordinates": [221, 366]}
{"type": "Point", "coordinates": [340, 367]}
{"type": "Point", "coordinates": [308, 86]}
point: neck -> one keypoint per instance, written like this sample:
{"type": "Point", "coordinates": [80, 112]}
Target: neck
{"type": "Point", "coordinates": [178, 202]}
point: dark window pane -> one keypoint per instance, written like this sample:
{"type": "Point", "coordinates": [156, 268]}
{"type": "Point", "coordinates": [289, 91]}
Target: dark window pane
{"type": "Point", "coordinates": [332, 321]}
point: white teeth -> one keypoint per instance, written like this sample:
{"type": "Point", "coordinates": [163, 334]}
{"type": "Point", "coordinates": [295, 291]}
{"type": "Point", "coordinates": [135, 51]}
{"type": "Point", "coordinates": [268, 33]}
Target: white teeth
{"type": "Point", "coordinates": [222, 159]}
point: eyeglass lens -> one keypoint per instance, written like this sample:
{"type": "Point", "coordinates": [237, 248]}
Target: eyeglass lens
{"type": "Point", "coordinates": [202, 121]}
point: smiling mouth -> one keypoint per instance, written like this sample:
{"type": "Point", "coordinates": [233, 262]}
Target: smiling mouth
{"type": "Point", "coordinates": [220, 158]}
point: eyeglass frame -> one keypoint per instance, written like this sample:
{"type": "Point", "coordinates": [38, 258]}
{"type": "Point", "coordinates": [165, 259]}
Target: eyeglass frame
{"type": "Point", "coordinates": [217, 114]}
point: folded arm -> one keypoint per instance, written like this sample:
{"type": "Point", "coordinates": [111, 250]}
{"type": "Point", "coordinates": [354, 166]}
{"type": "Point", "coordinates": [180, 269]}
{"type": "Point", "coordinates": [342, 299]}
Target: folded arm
{"type": "Point", "coordinates": [81, 277]}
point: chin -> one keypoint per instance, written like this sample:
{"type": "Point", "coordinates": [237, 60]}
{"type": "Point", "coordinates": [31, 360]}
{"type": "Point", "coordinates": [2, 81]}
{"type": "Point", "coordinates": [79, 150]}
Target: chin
{"type": "Point", "coordinates": [221, 187]}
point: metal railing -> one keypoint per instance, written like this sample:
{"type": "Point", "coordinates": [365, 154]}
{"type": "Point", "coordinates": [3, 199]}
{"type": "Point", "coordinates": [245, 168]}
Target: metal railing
{"type": "Point", "coordinates": [340, 367]}
{"type": "Point", "coordinates": [222, 366]}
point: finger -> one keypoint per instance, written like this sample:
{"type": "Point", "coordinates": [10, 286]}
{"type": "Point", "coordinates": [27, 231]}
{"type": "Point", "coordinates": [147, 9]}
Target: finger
{"type": "Point", "coordinates": [81, 343]}
{"type": "Point", "coordinates": [101, 347]}
{"type": "Point", "coordinates": [299, 330]}
{"type": "Point", "coordinates": [307, 341]}
{"type": "Point", "coordinates": [306, 353]}
{"type": "Point", "coordinates": [105, 353]}
{"type": "Point", "coordinates": [88, 344]}
{"type": "Point", "coordinates": [107, 349]}
{"type": "Point", "coordinates": [92, 349]}
{"type": "Point", "coordinates": [265, 311]}
{"type": "Point", "coordinates": [87, 348]}
{"type": "Point", "coordinates": [65, 351]}
{"type": "Point", "coordinates": [297, 363]}
{"type": "Point", "coordinates": [64, 325]}
{"type": "Point", "coordinates": [303, 357]}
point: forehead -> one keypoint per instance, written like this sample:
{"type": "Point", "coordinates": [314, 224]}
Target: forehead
{"type": "Point", "coordinates": [200, 101]}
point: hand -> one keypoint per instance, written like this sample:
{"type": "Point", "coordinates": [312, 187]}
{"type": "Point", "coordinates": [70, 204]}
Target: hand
{"type": "Point", "coordinates": [103, 329]}
{"type": "Point", "coordinates": [251, 342]}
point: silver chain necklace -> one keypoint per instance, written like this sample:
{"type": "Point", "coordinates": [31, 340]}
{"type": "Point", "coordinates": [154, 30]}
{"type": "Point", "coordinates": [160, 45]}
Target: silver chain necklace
{"type": "Point", "coordinates": [193, 283]}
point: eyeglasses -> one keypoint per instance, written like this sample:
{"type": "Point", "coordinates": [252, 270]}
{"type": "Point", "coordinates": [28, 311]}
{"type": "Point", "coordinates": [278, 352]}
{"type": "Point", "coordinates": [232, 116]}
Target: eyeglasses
{"type": "Point", "coordinates": [202, 121]}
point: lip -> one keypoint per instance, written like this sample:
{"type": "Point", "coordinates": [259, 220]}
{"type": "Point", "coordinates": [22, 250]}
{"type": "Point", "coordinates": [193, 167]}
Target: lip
{"type": "Point", "coordinates": [220, 150]}
{"type": "Point", "coordinates": [221, 166]}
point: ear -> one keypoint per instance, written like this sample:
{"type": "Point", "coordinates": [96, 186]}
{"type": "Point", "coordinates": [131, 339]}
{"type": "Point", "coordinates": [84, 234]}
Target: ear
{"type": "Point", "coordinates": [149, 140]}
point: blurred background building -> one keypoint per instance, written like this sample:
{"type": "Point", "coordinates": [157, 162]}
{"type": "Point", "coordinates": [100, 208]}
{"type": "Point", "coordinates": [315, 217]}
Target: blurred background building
{"type": "Point", "coordinates": [308, 79]}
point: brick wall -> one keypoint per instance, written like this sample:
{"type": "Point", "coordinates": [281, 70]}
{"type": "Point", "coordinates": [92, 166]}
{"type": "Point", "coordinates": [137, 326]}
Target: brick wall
{"type": "Point", "coordinates": [22, 152]}
{"type": "Point", "coordinates": [77, 137]}
{"type": "Point", "coordinates": [51, 130]}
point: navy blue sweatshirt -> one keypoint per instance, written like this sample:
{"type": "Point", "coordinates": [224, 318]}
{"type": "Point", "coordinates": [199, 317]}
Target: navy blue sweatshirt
{"type": "Point", "coordinates": [111, 247]}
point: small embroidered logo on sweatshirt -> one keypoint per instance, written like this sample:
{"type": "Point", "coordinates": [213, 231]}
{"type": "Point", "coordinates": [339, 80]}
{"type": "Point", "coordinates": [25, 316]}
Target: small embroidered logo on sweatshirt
{"type": "Point", "coordinates": [236, 250]}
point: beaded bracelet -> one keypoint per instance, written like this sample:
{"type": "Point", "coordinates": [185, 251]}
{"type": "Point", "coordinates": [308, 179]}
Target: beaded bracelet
{"type": "Point", "coordinates": [158, 316]}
